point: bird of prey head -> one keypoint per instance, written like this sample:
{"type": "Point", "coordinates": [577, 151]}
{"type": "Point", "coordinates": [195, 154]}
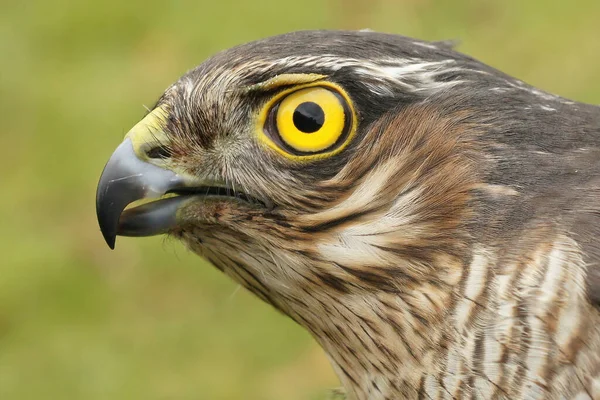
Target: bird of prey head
{"type": "Point", "coordinates": [433, 222]}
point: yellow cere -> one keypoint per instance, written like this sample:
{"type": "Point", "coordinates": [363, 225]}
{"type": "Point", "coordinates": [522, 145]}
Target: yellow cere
{"type": "Point", "coordinates": [148, 132]}
{"type": "Point", "coordinates": [334, 103]}
{"type": "Point", "coordinates": [320, 139]}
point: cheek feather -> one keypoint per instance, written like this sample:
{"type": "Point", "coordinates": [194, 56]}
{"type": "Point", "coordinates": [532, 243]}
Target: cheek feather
{"type": "Point", "coordinates": [414, 177]}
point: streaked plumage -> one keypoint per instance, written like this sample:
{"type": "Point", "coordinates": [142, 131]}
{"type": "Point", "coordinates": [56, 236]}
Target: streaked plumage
{"type": "Point", "coordinates": [447, 248]}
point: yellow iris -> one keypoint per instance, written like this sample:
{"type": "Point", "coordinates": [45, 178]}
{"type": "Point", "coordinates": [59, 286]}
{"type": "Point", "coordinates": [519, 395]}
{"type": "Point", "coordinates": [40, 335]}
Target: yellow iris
{"type": "Point", "coordinates": [311, 120]}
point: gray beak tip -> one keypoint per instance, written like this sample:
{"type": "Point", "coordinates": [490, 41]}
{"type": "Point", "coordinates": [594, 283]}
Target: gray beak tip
{"type": "Point", "coordinates": [116, 189]}
{"type": "Point", "coordinates": [107, 218]}
{"type": "Point", "coordinates": [110, 241]}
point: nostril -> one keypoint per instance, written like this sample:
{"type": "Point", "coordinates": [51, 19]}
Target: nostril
{"type": "Point", "coordinates": [161, 152]}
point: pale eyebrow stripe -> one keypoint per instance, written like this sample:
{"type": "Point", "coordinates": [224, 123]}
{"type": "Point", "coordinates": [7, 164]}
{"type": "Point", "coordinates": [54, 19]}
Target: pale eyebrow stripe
{"type": "Point", "coordinates": [285, 80]}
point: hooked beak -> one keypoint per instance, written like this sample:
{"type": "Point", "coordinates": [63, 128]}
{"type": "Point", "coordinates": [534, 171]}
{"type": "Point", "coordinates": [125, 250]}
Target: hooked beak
{"type": "Point", "coordinates": [133, 173]}
{"type": "Point", "coordinates": [129, 176]}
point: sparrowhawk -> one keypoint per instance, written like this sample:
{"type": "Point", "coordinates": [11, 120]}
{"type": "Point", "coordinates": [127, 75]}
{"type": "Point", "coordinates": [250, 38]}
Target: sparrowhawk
{"type": "Point", "coordinates": [433, 222]}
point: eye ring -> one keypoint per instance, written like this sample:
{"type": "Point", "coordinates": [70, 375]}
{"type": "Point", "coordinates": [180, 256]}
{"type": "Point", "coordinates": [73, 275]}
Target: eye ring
{"type": "Point", "coordinates": [310, 121]}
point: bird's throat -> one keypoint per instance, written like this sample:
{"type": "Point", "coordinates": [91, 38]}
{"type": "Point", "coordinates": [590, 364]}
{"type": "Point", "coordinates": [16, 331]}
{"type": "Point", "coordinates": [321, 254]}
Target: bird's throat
{"type": "Point", "coordinates": [380, 344]}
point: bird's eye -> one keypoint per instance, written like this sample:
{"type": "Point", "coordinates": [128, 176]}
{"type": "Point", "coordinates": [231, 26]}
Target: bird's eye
{"type": "Point", "coordinates": [310, 121]}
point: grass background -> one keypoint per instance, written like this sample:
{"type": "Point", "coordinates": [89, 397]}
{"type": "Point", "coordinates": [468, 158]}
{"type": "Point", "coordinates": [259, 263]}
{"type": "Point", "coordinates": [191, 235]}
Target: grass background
{"type": "Point", "coordinates": [150, 321]}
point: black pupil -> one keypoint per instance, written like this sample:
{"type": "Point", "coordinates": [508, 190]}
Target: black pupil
{"type": "Point", "coordinates": [309, 117]}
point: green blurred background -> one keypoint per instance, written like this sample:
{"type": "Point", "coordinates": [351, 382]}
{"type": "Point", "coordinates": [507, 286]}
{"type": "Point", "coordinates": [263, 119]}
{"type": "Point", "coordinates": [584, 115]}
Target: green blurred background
{"type": "Point", "coordinates": [149, 320]}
